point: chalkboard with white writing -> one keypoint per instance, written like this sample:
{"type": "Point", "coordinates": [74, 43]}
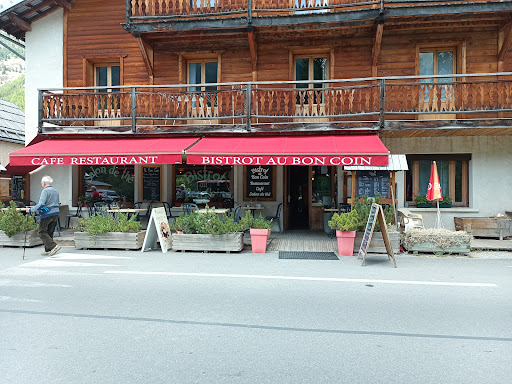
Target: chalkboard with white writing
{"type": "Point", "coordinates": [151, 184]}
{"type": "Point", "coordinates": [17, 187]}
{"type": "Point", "coordinates": [371, 183]}
{"type": "Point", "coordinates": [259, 182]}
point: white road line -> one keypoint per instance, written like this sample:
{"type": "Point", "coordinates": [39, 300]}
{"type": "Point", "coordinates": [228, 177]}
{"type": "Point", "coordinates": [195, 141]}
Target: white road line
{"type": "Point", "coordinates": [16, 299]}
{"type": "Point", "coordinates": [85, 256]}
{"type": "Point", "coordinates": [303, 278]}
{"type": "Point", "coordinates": [56, 263]}
{"type": "Point", "coordinates": [29, 284]}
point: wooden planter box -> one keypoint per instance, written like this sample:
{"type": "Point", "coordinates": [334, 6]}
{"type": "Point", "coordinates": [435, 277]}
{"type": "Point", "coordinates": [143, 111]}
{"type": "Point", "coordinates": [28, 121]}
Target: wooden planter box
{"type": "Point", "coordinates": [111, 240]}
{"type": "Point", "coordinates": [484, 226]}
{"type": "Point", "coordinates": [430, 246]}
{"type": "Point", "coordinates": [233, 242]}
{"type": "Point", "coordinates": [18, 239]}
{"type": "Point", "coordinates": [377, 243]}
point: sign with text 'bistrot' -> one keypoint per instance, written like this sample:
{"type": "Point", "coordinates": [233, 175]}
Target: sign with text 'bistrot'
{"type": "Point", "coordinates": [288, 160]}
{"type": "Point", "coordinates": [158, 230]}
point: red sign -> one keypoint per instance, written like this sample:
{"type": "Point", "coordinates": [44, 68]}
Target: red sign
{"type": "Point", "coordinates": [96, 160]}
{"type": "Point", "coordinates": [287, 160]}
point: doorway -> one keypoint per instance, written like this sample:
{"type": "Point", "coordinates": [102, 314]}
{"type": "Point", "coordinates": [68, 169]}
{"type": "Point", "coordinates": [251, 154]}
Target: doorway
{"type": "Point", "coordinates": [298, 197]}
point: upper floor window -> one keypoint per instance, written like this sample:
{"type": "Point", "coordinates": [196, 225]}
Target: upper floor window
{"type": "Point", "coordinates": [203, 72]}
{"type": "Point", "coordinates": [311, 67]}
{"type": "Point", "coordinates": [437, 62]}
{"type": "Point", "coordinates": [107, 75]}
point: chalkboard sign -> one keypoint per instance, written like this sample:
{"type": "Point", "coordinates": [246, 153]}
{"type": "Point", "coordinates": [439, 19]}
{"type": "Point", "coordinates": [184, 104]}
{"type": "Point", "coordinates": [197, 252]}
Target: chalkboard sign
{"type": "Point", "coordinates": [376, 213]}
{"type": "Point", "coordinates": [372, 183]}
{"type": "Point", "coordinates": [17, 187]}
{"type": "Point", "coordinates": [151, 186]}
{"type": "Point", "coordinates": [260, 182]}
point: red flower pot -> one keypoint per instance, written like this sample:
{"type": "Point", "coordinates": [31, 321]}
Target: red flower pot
{"type": "Point", "coordinates": [259, 240]}
{"type": "Point", "coordinates": [346, 242]}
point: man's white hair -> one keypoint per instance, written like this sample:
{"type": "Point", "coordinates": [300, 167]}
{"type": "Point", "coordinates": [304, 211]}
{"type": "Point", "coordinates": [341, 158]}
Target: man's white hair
{"type": "Point", "coordinates": [47, 180]}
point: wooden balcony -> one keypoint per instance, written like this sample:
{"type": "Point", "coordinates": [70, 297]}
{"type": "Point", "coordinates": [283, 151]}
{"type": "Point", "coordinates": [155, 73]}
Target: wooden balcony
{"type": "Point", "coordinates": [179, 15]}
{"type": "Point", "coordinates": [472, 101]}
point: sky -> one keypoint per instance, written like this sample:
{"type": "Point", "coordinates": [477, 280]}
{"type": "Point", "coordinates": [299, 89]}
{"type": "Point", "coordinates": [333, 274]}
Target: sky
{"type": "Point", "coordinates": [7, 3]}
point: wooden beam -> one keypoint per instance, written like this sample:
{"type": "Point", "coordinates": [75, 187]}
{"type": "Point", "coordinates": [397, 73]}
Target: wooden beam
{"type": "Point", "coordinates": [506, 24]}
{"type": "Point", "coordinates": [376, 48]}
{"type": "Point", "coordinates": [22, 24]}
{"type": "Point", "coordinates": [147, 56]}
{"type": "Point", "coordinates": [64, 4]}
{"type": "Point", "coordinates": [254, 54]}
{"type": "Point", "coordinates": [506, 45]}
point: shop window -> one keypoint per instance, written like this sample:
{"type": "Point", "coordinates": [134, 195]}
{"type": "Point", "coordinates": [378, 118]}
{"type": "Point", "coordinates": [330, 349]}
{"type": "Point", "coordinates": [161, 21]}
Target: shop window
{"type": "Point", "coordinates": [322, 186]}
{"type": "Point", "coordinates": [204, 185]}
{"type": "Point", "coordinates": [115, 183]}
{"type": "Point", "coordinates": [453, 176]}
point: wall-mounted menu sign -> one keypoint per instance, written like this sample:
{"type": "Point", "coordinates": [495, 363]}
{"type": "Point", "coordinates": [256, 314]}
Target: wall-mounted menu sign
{"type": "Point", "coordinates": [151, 186]}
{"type": "Point", "coordinates": [17, 187]}
{"type": "Point", "coordinates": [259, 182]}
{"type": "Point", "coordinates": [372, 183]}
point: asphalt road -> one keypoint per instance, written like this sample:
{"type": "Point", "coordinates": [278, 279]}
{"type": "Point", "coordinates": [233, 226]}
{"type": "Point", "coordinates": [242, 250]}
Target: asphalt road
{"type": "Point", "coordinates": [131, 317]}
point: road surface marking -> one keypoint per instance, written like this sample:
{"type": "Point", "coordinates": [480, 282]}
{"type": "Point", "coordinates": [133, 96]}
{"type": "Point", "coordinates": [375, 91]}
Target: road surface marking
{"type": "Point", "coordinates": [304, 278]}
{"type": "Point", "coordinates": [84, 256]}
{"type": "Point", "coordinates": [50, 262]}
{"type": "Point", "coordinates": [10, 298]}
{"type": "Point", "coordinates": [29, 284]}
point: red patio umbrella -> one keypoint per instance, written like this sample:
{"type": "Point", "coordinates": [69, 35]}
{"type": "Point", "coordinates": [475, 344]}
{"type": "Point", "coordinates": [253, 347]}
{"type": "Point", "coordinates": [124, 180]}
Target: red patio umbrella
{"type": "Point", "coordinates": [434, 187]}
{"type": "Point", "coordinates": [434, 192]}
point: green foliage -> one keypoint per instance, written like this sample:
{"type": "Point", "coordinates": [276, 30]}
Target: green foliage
{"type": "Point", "coordinates": [13, 221]}
{"type": "Point", "coordinates": [249, 221]}
{"type": "Point", "coordinates": [446, 200]}
{"type": "Point", "coordinates": [345, 221]}
{"type": "Point", "coordinates": [4, 52]}
{"type": "Point", "coordinates": [363, 210]}
{"type": "Point", "coordinates": [102, 224]}
{"type": "Point", "coordinates": [208, 223]}
{"type": "Point", "coordinates": [14, 91]}
{"type": "Point", "coordinates": [421, 199]}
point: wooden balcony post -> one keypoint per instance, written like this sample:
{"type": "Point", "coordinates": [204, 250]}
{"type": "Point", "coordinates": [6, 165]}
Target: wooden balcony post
{"type": "Point", "coordinates": [128, 11]}
{"type": "Point", "coordinates": [382, 103]}
{"type": "Point", "coordinates": [248, 110]}
{"type": "Point", "coordinates": [134, 110]}
{"type": "Point", "coordinates": [40, 111]}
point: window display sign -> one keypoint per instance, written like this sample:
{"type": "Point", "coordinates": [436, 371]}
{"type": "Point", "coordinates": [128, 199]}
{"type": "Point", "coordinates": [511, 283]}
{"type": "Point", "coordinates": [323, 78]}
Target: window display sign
{"type": "Point", "coordinates": [151, 186]}
{"type": "Point", "coordinates": [17, 187]}
{"type": "Point", "coordinates": [259, 182]}
{"type": "Point", "coordinates": [371, 183]}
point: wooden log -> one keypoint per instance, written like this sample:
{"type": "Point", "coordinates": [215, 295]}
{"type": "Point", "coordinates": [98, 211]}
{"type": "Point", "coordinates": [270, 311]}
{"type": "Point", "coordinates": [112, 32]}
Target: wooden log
{"type": "Point", "coordinates": [233, 242]}
{"type": "Point", "coordinates": [111, 240]}
{"type": "Point", "coordinates": [484, 226]}
{"type": "Point", "coordinates": [18, 239]}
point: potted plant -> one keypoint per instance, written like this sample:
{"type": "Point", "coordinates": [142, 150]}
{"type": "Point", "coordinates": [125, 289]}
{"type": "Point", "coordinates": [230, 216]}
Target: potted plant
{"type": "Point", "coordinates": [345, 225]}
{"type": "Point", "coordinates": [13, 225]}
{"type": "Point", "coordinates": [421, 201]}
{"type": "Point", "coordinates": [109, 232]}
{"type": "Point", "coordinates": [206, 232]}
{"type": "Point", "coordinates": [259, 229]}
{"type": "Point", "coordinates": [446, 202]}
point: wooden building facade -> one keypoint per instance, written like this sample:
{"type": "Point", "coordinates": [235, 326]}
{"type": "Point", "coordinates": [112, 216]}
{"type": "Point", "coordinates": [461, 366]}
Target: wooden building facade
{"type": "Point", "coordinates": [432, 79]}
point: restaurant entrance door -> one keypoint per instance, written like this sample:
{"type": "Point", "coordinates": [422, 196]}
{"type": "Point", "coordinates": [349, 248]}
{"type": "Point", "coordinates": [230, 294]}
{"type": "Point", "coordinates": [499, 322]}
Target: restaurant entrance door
{"type": "Point", "coordinates": [298, 197]}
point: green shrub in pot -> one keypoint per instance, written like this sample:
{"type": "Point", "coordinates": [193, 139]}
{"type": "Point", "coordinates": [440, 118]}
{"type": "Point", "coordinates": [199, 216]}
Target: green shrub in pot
{"type": "Point", "coordinates": [348, 221]}
{"type": "Point", "coordinates": [13, 221]}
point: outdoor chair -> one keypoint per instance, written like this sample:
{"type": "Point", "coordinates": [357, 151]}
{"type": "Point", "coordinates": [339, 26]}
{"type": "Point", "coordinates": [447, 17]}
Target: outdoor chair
{"type": "Point", "coordinates": [101, 209]}
{"type": "Point", "coordinates": [236, 214]}
{"type": "Point", "coordinates": [408, 220]}
{"type": "Point", "coordinates": [277, 217]}
{"type": "Point", "coordinates": [145, 215]}
{"type": "Point", "coordinates": [77, 214]}
{"type": "Point", "coordinates": [168, 211]}
{"type": "Point", "coordinates": [188, 208]}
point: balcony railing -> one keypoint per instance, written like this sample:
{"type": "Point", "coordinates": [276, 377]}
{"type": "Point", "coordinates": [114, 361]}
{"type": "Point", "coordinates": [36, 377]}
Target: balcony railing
{"type": "Point", "coordinates": [375, 101]}
{"type": "Point", "coordinates": [141, 10]}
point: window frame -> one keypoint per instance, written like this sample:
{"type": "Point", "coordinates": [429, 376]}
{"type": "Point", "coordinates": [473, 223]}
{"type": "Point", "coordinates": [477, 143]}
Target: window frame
{"type": "Point", "coordinates": [109, 66]}
{"type": "Point", "coordinates": [311, 69]}
{"type": "Point", "coordinates": [413, 160]}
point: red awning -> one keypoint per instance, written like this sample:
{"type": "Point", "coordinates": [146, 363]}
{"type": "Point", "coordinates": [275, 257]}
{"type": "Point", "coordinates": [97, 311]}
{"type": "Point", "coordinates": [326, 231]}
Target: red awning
{"type": "Point", "coordinates": [121, 151]}
{"type": "Point", "coordinates": [289, 150]}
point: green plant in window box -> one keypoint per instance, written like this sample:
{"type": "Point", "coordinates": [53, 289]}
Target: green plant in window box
{"type": "Point", "coordinates": [364, 206]}
{"type": "Point", "coordinates": [348, 221]}
{"type": "Point", "coordinates": [249, 221]}
{"type": "Point", "coordinates": [422, 201]}
{"type": "Point", "coordinates": [446, 202]}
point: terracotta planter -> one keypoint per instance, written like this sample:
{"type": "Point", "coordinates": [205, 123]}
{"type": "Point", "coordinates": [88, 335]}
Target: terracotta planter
{"type": "Point", "coordinates": [346, 242]}
{"type": "Point", "coordinates": [259, 240]}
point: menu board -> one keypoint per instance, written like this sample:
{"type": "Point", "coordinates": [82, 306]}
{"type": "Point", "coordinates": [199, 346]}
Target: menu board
{"type": "Point", "coordinates": [259, 182]}
{"type": "Point", "coordinates": [151, 184]}
{"type": "Point", "coordinates": [372, 183]}
{"type": "Point", "coordinates": [17, 187]}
